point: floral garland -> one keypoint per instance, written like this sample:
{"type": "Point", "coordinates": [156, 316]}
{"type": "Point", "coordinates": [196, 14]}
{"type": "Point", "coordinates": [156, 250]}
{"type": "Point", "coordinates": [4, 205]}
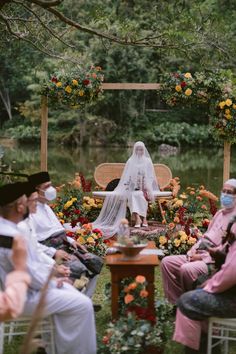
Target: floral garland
{"type": "Point", "coordinates": [223, 120]}
{"type": "Point", "coordinates": [213, 90]}
{"type": "Point", "coordinates": [74, 89]}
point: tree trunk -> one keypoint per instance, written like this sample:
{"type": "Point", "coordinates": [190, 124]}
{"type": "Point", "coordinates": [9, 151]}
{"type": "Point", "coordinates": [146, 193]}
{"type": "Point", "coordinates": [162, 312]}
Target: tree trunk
{"type": "Point", "coordinates": [4, 94]}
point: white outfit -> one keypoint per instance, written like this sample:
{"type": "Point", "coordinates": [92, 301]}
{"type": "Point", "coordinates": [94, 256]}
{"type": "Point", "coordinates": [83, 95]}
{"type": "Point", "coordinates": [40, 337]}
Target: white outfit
{"type": "Point", "coordinates": [44, 224]}
{"type": "Point", "coordinates": [138, 179]}
{"type": "Point", "coordinates": [72, 311]}
{"type": "Point", "coordinates": [26, 228]}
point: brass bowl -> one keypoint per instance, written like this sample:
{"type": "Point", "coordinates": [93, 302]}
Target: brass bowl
{"type": "Point", "coordinates": [130, 252]}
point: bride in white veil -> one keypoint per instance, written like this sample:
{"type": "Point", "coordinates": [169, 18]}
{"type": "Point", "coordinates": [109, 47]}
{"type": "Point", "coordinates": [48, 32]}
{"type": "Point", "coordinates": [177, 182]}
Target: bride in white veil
{"type": "Point", "coordinates": [136, 187]}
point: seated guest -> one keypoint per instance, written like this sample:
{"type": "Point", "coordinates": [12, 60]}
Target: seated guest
{"type": "Point", "coordinates": [51, 233]}
{"type": "Point", "coordinates": [72, 311]}
{"type": "Point", "coordinates": [217, 298]}
{"type": "Point", "coordinates": [179, 272]}
{"type": "Point", "coordinates": [13, 298]}
{"type": "Point", "coordinates": [27, 229]}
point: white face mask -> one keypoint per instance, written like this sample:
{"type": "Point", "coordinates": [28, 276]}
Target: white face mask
{"type": "Point", "coordinates": [50, 193]}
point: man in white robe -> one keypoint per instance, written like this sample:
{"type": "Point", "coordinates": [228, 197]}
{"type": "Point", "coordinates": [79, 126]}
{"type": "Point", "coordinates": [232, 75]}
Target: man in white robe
{"type": "Point", "coordinates": [51, 234]}
{"type": "Point", "coordinates": [72, 311]}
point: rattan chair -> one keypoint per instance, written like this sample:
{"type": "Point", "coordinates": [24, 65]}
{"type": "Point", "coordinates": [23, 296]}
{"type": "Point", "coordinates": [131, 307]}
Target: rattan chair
{"type": "Point", "coordinates": [107, 172]}
{"type": "Point", "coordinates": [221, 330]}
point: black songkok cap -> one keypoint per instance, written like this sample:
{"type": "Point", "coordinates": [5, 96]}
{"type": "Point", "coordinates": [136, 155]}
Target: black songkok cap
{"type": "Point", "coordinates": [29, 188]}
{"type": "Point", "coordinates": [39, 178]}
{"type": "Point", "coordinates": [11, 192]}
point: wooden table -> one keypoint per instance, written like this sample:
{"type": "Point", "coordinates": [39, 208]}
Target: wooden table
{"type": "Point", "coordinates": [144, 265]}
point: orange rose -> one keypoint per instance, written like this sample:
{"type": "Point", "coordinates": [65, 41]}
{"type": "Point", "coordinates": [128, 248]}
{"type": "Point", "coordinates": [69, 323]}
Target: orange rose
{"type": "Point", "coordinates": [132, 286]}
{"type": "Point", "coordinates": [128, 298]}
{"type": "Point", "coordinates": [143, 293]}
{"type": "Point", "coordinates": [140, 279]}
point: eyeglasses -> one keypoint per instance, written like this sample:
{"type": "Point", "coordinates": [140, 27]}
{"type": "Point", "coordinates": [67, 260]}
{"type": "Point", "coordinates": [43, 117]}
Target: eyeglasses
{"type": "Point", "coordinates": [227, 191]}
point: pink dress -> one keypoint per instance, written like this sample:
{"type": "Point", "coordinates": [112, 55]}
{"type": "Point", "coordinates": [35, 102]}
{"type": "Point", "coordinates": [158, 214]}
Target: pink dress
{"type": "Point", "coordinates": [12, 300]}
{"type": "Point", "coordinates": [178, 274]}
{"type": "Point", "coordinates": [223, 280]}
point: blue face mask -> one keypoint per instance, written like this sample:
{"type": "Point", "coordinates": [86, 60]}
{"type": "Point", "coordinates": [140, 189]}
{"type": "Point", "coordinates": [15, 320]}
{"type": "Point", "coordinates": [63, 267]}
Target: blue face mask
{"type": "Point", "coordinates": [227, 200]}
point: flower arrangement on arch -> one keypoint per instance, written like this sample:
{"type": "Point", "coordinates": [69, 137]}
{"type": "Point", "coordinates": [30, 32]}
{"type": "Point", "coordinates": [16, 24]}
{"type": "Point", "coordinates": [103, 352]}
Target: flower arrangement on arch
{"type": "Point", "coordinates": [223, 120]}
{"type": "Point", "coordinates": [76, 88]}
{"type": "Point", "coordinates": [186, 89]}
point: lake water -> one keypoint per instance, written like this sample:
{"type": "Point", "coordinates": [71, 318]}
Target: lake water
{"type": "Point", "coordinates": [193, 166]}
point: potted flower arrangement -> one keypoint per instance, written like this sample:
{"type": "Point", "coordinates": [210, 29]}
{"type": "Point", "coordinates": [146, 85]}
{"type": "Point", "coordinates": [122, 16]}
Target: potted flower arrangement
{"type": "Point", "coordinates": [75, 88]}
{"type": "Point", "coordinates": [137, 330]}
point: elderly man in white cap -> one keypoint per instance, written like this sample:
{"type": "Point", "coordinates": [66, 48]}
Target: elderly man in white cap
{"type": "Point", "coordinates": [180, 272]}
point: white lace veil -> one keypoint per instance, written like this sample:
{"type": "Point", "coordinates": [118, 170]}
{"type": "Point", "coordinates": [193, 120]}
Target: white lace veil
{"type": "Point", "coordinates": [138, 174]}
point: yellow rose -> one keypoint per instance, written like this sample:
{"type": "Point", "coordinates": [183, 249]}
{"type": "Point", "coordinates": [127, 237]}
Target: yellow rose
{"type": "Point", "coordinates": [60, 214]}
{"type": "Point", "coordinates": [178, 88]}
{"type": "Point", "coordinates": [183, 235]}
{"type": "Point", "coordinates": [183, 196]}
{"type": "Point", "coordinates": [68, 204]}
{"type": "Point", "coordinates": [177, 242]}
{"type": "Point", "coordinates": [90, 240]}
{"type": "Point", "coordinates": [75, 82]}
{"type": "Point", "coordinates": [68, 89]}
{"type": "Point", "coordinates": [222, 104]}
{"type": "Point", "coordinates": [227, 111]}
{"type": "Point", "coordinates": [234, 106]}
{"type": "Point", "coordinates": [188, 92]}
{"type": "Point", "coordinates": [62, 221]}
{"type": "Point", "coordinates": [179, 203]}
{"type": "Point", "coordinates": [162, 240]}
{"type": "Point", "coordinates": [228, 102]}
{"type": "Point", "coordinates": [59, 84]}
{"type": "Point", "coordinates": [81, 93]}
{"type": "Point", "coordinates": [187, 75]}
{"type": "Point", "coordinates": [81, 240]}
{"type": "Point", "coordinates": [191, 241]}
{"type": "Point", "coordinates": [228, 116]}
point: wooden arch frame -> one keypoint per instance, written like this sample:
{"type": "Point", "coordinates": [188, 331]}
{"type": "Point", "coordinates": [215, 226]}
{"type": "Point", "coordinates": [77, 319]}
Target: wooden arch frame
{"type": "Point", "coordinates": [113, 86]}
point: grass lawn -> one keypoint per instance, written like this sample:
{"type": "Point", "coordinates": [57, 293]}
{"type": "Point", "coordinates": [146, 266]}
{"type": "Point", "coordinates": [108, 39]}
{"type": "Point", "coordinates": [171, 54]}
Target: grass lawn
{"type": "Point", "coordinates": [103, 317]}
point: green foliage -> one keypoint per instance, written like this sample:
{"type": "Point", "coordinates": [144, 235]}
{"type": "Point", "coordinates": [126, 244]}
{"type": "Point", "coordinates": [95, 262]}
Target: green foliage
{"type": "Point", "coordinates": [29, 134]}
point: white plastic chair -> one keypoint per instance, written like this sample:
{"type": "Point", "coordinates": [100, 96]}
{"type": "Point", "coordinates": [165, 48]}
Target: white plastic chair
{"type": "Point", "coordinates": [222, 330]}
{"type": "Point", "coordinates": [19, 327]}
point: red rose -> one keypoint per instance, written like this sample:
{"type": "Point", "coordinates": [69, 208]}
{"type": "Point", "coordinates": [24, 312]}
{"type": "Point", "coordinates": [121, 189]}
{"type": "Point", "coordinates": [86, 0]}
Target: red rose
{"type": "Point", "coordinates": [86, 82]}
{"type": "Point", "coordinates": [105, 339]}
{"type": "Point", "coordinates": [183, 84]}
{"type": "Point", "coordinates": [54, 79]}
{"type": "Point", "coordinates": [77, 211]}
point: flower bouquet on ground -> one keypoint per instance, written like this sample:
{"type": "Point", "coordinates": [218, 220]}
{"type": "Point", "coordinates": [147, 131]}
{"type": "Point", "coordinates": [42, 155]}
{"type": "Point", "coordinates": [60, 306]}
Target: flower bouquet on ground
{"type": "Point", "coordinates": [192, 208]}
{"type": "Point", "coordinates": [138, 330]}
{"type": "Point", "coordinates": [72, 205]}
{"type": "Point", "coordinates": [91, 239]}
{"type": "Point", "coordinates": [173, 240]}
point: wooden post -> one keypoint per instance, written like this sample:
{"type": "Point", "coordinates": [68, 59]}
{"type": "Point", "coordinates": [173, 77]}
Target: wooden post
{"type": "Point", "coordinates": [44, 133]}
{"type": "Point", "coordinates": [226, 171]}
